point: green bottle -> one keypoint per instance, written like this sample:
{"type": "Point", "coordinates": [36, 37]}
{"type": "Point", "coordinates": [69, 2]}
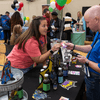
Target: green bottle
{"type": "Point", "coordinates": [46, 83]}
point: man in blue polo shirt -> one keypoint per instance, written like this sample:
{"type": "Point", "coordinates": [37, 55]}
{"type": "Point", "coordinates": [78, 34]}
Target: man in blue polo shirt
{"type": "Point", "coordinates": [92, 61]}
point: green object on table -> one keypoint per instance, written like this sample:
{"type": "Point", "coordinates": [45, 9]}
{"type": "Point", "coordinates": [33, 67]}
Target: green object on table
{"type": "Point", "coordinates": [78, 38]}
{"type": "Point", "coordinates": [20, 93]}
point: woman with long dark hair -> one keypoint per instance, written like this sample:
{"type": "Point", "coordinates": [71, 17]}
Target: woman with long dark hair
{"type": "Point", "coordinates": [31, 46]}
{"type": "Point", "coordinates": [16, 19]}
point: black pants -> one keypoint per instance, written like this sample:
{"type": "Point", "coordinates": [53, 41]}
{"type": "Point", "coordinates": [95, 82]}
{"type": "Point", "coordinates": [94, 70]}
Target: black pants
{"type": "Point", "coordinates": [67, 35]}
{"type": "Point", "coordinates": [5, 35]}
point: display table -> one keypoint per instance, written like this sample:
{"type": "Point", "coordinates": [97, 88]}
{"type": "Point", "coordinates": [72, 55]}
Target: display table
{"type": "Point", "coordinates": [31, 82]}
{"type": "Point", "coordinates": [78, 38]}
{"type": "Point", "coordinates": [12, 84]}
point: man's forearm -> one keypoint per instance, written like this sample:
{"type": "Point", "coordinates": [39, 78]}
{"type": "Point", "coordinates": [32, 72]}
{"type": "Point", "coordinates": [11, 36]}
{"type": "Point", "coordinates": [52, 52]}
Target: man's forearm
{"type": "Point", "coordinates": [94, 66]}
{"type": "Point", "coordinates": [85, 48]}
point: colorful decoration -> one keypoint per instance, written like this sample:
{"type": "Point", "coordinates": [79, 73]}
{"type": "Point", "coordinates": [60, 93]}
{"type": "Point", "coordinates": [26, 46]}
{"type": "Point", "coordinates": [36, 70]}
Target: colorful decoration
{"type": "Point", "coordinates": [26, 21]}
{"type": "Point", "coordinates": [24, 18]}
{"type": "Point", "coordinates": [27, 18]}
{"type": "Point", "coordinates": [19, 9]}
{"type": "Point", "coordinates": [6, 73]}
{"type": "Point", "coordinates": [74, 60]}
{"type": "Point", "coordinates": [59, 7]}
{"type": "Point", "coordinates": [17, 5]}
{"type": "Point", "coordinates": [15, 1]}
{"type": "Point", "coordinates": [16, 94]}
{"type": "Point", "coordinates": [15, 9]}
{"type": "Point", "coordinates": [21, 4]}
{"type": "Point", "coordinates": [52, 4]}
{"type": "Point", "coordinates": [67, 84]}
{"type": "Point", "coordinates": [52, 1]}
{"type": "Point", "coordinates": [50, 9]}
{"type": "Point", "coordinates": [61, 2]}
{"type": "Point", "coordinates": [39, 95]}
{"type": "Point", "coordinates": [13, 6]}
{"type": "Point", "coordinates": [68, 1]}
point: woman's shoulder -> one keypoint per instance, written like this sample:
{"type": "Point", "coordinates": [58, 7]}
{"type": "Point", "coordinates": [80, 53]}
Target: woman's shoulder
{"type": "Point", "coordinates": [32, 40]}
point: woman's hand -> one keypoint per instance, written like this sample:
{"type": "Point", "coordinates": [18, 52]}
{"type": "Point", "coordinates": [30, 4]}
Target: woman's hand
{"type": "Point", "coordinates": [56, 47]}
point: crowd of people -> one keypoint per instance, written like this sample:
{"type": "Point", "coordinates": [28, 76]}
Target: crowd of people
{"type": "Point", "coordinates": [31, 46]}
{"type": "Point", "coordinates": [54, 24]}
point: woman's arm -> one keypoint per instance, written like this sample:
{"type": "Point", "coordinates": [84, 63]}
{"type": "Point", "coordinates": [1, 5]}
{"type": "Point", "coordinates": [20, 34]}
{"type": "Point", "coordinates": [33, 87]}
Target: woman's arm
{"type": "Point", "coordinates": [44, 50]}
{"type": "Point", "coordinates": [43, 57]}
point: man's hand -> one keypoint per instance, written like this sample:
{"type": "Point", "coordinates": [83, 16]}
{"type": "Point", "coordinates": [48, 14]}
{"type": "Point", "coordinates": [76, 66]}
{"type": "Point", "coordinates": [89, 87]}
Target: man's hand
{"type": "Point", "coordinates": [81, 59]}
{"type": "Point", "coordinates": [69, 46]}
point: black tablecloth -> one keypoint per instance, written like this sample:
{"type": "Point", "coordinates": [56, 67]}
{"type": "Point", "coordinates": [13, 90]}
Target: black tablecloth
{"type": "Point", "coordinates": [31, 82]}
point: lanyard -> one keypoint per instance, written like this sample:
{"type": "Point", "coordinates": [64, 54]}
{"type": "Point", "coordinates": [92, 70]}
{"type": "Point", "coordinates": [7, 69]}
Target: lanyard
{"type": "Point", "coordinates": [93, 46]}
{"type": "Point", "coordinates": [86, 70]}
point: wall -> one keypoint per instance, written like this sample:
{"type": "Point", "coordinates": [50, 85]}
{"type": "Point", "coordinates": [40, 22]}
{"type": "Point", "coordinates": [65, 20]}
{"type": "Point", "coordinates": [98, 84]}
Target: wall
{"type": "Point", "coordinates": [35, 7]}
{"type": "Point", "coordinates": [29, 9]}
{"type": "Point", "coordinates": [76, 5]}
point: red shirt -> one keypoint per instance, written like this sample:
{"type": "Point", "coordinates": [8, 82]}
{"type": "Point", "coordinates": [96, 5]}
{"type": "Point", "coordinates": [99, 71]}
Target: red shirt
{"type": "Point", "coordinates": [21, 59]}
{"type": "Point", "coordinates": [48, 20]}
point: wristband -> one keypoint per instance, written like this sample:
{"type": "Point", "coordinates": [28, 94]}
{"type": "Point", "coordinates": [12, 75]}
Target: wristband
{"type": "Point", "coordinates": [73, 47]}
{"type": "Point", "coordinates": [87, 63]}
{"type": "Point", "coordinates": [51, 51]}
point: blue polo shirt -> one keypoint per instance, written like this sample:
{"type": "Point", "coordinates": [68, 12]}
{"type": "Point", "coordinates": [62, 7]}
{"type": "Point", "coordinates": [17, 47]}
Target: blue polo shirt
{"type": "Point", "coordinates": [95, 52]}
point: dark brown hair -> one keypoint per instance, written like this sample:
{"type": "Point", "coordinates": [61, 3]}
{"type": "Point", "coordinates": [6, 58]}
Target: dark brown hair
{"type": "Point", "coordinates": [33, 30]}
{"type": "Point", "coordinates": [16, 19]}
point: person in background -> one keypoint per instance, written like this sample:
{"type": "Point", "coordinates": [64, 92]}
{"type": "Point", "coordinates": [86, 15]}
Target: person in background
{"type": "Point", "coordinates": [17, 31]}
{"type": "Point", "coordinates": [6, 27]}
{"type": "Point", "coordinates": [92, 61]}
{"type": "Point", "coordinates": [33, 17]}
{"type": "Point", "coordinates": [79, 20]}
{"type": "Point", "coordinates": [55, 25]}
{"type": "Point", "coordinates": [68, 25]}
{"type": "Point", "coordinates": [73, 20]}
{"type": "Point", "coordinates": [31, 46]}
{"type": "Point", "coordinates": [79, 17]}
{"type": "Point", "coordinates": [46, 14]}
{"type": "Point", "coordinates": [0, 20]}
{"type": "Point", "coordinates": [16, 19]}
